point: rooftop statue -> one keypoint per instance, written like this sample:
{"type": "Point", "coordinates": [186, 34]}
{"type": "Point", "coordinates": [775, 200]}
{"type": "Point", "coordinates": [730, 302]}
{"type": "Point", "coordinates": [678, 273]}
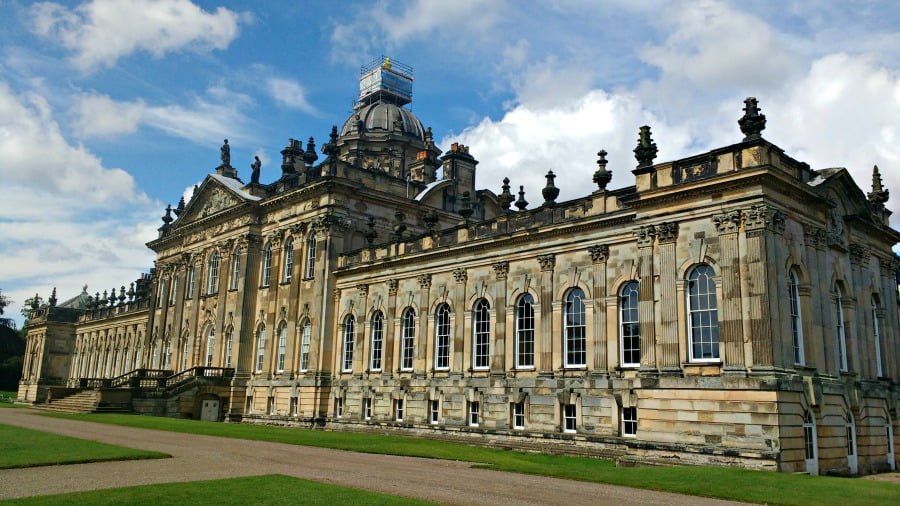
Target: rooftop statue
{"type": "Point", "coordinates": [225, 153]}
{"type": "Point", "coordinates": [254, 167]}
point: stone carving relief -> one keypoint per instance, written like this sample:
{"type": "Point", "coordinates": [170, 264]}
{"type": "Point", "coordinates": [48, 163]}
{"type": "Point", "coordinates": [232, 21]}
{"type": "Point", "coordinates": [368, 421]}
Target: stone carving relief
{"type": "Point", "coordinates": [728, 223]}
{"type": "Point", "coordinates": [667, 231]}
{"type": "Point", "coordinates": [599, 253]}
{"type": "Point", "coordinates": [217, 200]}
{"type": "Point", "coordinates": [645, 235]}
{"type": "Point", "coordinates": [547, 262]}
{"type": "Point", "coordinates": [501, 269]}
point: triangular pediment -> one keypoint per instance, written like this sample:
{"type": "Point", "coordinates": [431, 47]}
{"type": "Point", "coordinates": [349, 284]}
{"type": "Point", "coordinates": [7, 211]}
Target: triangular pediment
{"type": "Point", "coordinates": [214, 195]}
{"type": "Point", "coordinates": [839, 186]}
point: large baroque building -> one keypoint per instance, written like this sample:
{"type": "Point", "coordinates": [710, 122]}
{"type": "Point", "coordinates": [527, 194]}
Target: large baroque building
{"type": "Point", "coordinates": [735, 307]}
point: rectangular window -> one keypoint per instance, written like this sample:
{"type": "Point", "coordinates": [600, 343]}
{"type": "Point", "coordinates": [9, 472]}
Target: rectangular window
{"type": "Point", "coordinates": [398, 410]}
{"type": "Point", "coordinates": [442, 338]}
{"type": "Point", "coordinates": [304, 346]}
{"type": "Point", "coordinates": [367, 408]}
{"type": "Point", "coordinates": [235, 270]}
{"type": "Point", "coordinates": [249, 407]}
{"type": "Point", "coordinates": [408, 342]}
{"type": "Point", "coordinates": [518, 415]}
{"type": "Point", "coordinates": [840, 331]}
{"type": "Point", "coordinates": [288, 262]}
{"type": "Point", "coordinates": [569, 421]}
{"type": "Point", "coordinates": [271, 405]}
{"type": "Point", "coordinates": [435, 414]}
{"type": "Point", "coordinates": [851, 448]}
{"type": "Point", "coordinates": [575, 329]}
{"type": "Point", "coordinates": [338, 407]}
{"type": "Point", "coordinates": [481, 327]}
{"type": "Point", "coordinates": [474, 414]}
{"type": "Point", "coordinates": [377, 340]}
{"type": "Point", "coordinates": [629, 421]}
{"type": "Point", "coordinates": [525, 332]}
{"type": "Point", "coordinates": [173, 293]}
{"type": "Point", "coordinates": [295, 406]}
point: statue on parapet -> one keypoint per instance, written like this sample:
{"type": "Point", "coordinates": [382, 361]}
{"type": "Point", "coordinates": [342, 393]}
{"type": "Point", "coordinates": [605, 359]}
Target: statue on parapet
{"type": "Point", "coordinates": [225, 154]}
{"type": "Point", "coordinates": [254, 167]}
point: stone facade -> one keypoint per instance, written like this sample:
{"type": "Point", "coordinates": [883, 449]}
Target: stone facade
{"type": "Point", "coordinates": [735, 307]}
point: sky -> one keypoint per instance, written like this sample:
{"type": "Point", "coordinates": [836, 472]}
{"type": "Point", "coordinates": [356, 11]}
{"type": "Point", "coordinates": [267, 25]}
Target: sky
{"type": "Point", "coordinates": [111, 109]}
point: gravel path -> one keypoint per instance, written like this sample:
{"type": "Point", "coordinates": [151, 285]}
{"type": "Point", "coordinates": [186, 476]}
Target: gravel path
{"type": "Point", "coordinates": [206, 457]}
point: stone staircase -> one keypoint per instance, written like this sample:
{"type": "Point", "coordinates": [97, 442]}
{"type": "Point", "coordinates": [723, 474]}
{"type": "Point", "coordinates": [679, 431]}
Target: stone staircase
{"type": "Point", "coordinates": [85, 401]}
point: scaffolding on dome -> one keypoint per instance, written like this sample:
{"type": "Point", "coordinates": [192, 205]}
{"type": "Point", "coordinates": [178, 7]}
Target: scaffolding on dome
{"type": "Point", "coordinates": [384, 78]}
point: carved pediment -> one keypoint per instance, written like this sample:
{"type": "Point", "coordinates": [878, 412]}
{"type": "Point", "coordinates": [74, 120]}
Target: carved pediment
{"type": "Point", "coordinates": [211, 197]}
{"type": "Point", "coordinates": [218, 199]}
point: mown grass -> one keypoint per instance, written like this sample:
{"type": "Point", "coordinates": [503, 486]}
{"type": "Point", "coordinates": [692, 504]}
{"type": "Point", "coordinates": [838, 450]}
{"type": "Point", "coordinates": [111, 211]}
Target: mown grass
{"type": "Point", "coordinates": [257, 490]}
{"type": "Point", "coordinates": [724, 483]}
{"type": "Point", "coordinates": [28, 448]}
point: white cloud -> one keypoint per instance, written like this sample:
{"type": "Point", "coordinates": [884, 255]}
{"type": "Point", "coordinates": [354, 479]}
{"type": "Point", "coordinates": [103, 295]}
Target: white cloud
{"type": "Point", "coordinates": [67, 218]}
{"type": "Point", "coordinates": [716, 46]}
{"type": "Point", "coordinates": [205, 120]}
{"type": "Point", "coordinates": [102, 31]}
{"type": "Point", "coordinates": [289, 93]}
{"type": "Point", "coordinates": [527, 142]}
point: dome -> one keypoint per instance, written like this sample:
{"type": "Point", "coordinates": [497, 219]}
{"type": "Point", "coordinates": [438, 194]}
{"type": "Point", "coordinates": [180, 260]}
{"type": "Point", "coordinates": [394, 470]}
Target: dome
{"type": "Point", "coordinates": [381, 117]}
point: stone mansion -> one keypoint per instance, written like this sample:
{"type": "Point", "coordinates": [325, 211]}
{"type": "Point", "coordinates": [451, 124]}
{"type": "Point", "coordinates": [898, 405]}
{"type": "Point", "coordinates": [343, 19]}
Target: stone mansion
{"type": "Point", "coordinates": [735, 307]}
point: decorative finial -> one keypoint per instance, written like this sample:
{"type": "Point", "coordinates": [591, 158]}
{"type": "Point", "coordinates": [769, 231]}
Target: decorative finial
{"type": "Point", "coordinates": [522, 204]}
{"type": "Point", "coordinates": [371, 233]}
{"type": "Point", "coordinates": [310, 156]}
{"type": "Point", "coordinates": [399, 225]}
{"type": "Point", "coordinates": [35, 302]}
{"type": "Point", "coordinates": [465, 206]}
{"type": "Point", "coordinates": [429, 136]}
{"type": "Point", "coordinates": [602, 177]}
{"type": "Point", "coordinates": [752, 123]}
{"type": "Point", "coordinates": [84, 288]}
{"type": "Point", "coordinates": [112, 297]}
{"type": "Point", "coordinates": [180, 207]}
{"type": "Point", "coordinates": [105, 299]}
{"type": "Point", "coordinates": [131, 292]}
{"type": "Point", "coordinates": [97, 302]}
{"type": "Point", "coordinates": [550, 191]}
{"type": "Point", "coordinates": [878, 195]}
{"type": "Point", "coordinates": [52, 299]}
{"type": "Point", "coordinates": [167, 218]}
{"type": "Point", "coordinates": [646, 149]}
{"type": "Point", "coordinates": [431, 220]}
{"type": "Point", "coordinates": [505, 198]}
{"type": "Point", "coordinates": [122, 295]}
{"type": "Point", "coordinates": [194, 193]}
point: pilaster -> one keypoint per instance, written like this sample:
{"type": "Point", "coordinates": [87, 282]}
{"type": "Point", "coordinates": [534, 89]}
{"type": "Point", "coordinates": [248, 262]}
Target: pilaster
{"type": "Point", "coordinates": [498, 349]}
{"type": "Point", "coordinates": [646, 235]}
{"type": "Point", "coordinates": [599, 256]}
{"type": "Point", "coordinates": [731, 332]}
{"type": "Point", "coordinates": [668, 359]}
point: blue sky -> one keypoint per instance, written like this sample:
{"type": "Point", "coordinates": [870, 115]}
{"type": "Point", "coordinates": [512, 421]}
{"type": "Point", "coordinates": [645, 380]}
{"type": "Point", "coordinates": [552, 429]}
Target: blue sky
{"type": "Point", "coordinates": [109, 109]}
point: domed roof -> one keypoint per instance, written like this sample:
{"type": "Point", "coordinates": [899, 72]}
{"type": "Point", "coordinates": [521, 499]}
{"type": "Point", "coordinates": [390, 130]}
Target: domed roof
{"type": "Point", "coordinates": [382, 116]}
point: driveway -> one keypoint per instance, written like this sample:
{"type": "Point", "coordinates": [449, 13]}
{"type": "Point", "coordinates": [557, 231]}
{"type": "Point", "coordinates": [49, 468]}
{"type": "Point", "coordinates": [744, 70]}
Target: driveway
{"type": "Point", "coordinates": [205, 457]}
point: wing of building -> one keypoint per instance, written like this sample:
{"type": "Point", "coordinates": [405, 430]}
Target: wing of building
{"type": "Point", "coordinates": [735, 307]}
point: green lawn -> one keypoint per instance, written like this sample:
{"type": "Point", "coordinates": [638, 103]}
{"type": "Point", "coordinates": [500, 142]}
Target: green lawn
{"type": "Point", "coordinates": [257, 490]}
{"type": "Point", "coordinates": [725, 483]}
{"type": "Point", "coordinates": [27, 448]}
{"type": "Point", "coordinates": [7, 397]}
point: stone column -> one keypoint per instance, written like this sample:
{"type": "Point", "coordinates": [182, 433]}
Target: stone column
{"type": "Point", "coordinates": [360, 346]}
{"type": "Point", "coordinates": [731, 332]}
{"type": "Point", "coordinates": [270, 302]}
{"type": "Point", "coordinates": [459, 338]}
{"type": "Point", "coordinates": [599, 256]}
{"type": "Point", "coordinates": [862, 357]}
{"type": "Point", "coordinates": [817, 354]}
{"type": "Point", "coordinates": [760, 221]}
{"type": "Point", "coordinates": [420, 360]}
{"type": "Point", "coordinates": [646, 314]}
{"type": "Point", "coordinates": [545, 357]}
{"type": "Point", "coordinates": [498, 349]}
{"type": "Point", "coordinates": [668, 358]}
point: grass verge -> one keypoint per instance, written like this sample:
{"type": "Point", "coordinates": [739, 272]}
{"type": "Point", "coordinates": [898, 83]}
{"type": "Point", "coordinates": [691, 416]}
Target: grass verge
{"type": "Point", "coordinates": [28, 448]}
{"type": "Point", "coordinates": [719, 482]}
{"type": "Point", "coordinates": [257, 490]}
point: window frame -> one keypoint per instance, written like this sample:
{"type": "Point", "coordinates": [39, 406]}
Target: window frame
{"type": "Point", "coordinates": [575, 329]}
{"type": "Point", "coordinates": [570, 418]}
{"type": "Point", "coordinates": [191, 281]}
{"type": "Point", "coordinates": [712, 313]}
{"type": "Point", "coordinates": [265, 271]}
{"type": "Point", "coordinates": [310, 265]}
{"type": "Point", "coordinates": [474, 414]}
{"type": "Point", "coordinates": [434, 411]}
{"type": "Point", "coordinates": [629, 316]}
{"type": "Point", "coordinates": [305, 338]}
{"type": "Point", "coordinates": [408, 339]}
{"type": "Point", "coordinates": [442, 330]}
{"type": "Point", "coordinates": [840, 329]}
{"type": "Point", "coordinates": [399, 410]}
{"type": "Point", "coordinates": [518, 415]}
{"type": "Point", "coordinates": [481, 335]}
{"type": "Point", "coordinates": [235, 270]}
{"type": "Point", "coordinates": [376, 338]}
{"type": "Point", "coordinates": [367, 408]}
{"type": "Point", "coordinates": [210, 345]}
{"type": "Point", "coordinates": [876, 335]}
{"type": "Point", "coordinates": [282, 347]}
{"type": "Point", "coordinates": [229, 346]}
{"type": "Point", "coordinates": [796, 315]}
{"type": "Point", "coordinates": [260, 348]}
{"type": "Point", "coordinates": [348, 338]}
{"type": "Point", "coordinates": [287, 263]}
{"type": "Point", "coordinates": [212, 275]}
{"type": "Point", "coordinates": [525, 328]}
{"type": "Point", "coordinates": [629, 421]}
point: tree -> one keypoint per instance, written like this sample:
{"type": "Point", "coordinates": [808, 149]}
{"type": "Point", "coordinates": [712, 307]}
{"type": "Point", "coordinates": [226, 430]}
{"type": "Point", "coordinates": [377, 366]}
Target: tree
{"type": "Point", "coordinates": [4, 301]}
{"type": "Point", "coordinates": [30, 301]}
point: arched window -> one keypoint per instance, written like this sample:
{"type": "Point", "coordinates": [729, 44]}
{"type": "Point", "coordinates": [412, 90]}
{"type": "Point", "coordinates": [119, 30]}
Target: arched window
{"type": "Point", "coordinates": [839, 329]}
{"type": "Point", "coordinates": [525, 331]}
{"type": "Point", "coordinates": [173, 291]}
{"type": "Point", "coordinates": [796, 320]}
{"type": "Point", "coordinates": [442, 337]}
{"type": "Point", "coordinates": [876, 336]}
{"type": "Point", "coordinates": [629, 325]}
{"type": "Point", "coordinates": [347, 357]}
{"type": "Point", "coordinates": [212, 278]}
{"type": "Point", "coordinates": [408, 339]}
{"type": "Point", "coordinates": [305, 333]}
{"type": "Point", "coordinates": [810, 449]}
{"type": "Point", "coordinates": [260, 347]}
{"type": "Point", "coordinates": [575, 330]}
{"type": "Point", "coordinates": [235, 269]}
{"type": "Point", "coordinates": [309, 270]}
{"type": "Point", "coordinates": [210, 345]}
{"type": "Point", "coordinates": [703, 317]}
{"type": "Point", "coordinates": [282, 346]}
{"type": "Point", "coordinates": [377, 340]}
{"type": "Point", "coordinates": [288, 266]}
{"type": "Point", "coordinates": [229, 345]}
{"type": "Point", "coordinates": [266, 269]}
{"type": "Point", "coordinates": [185, 352]}
{"type": "Point", "coordinates": [481, 335]}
